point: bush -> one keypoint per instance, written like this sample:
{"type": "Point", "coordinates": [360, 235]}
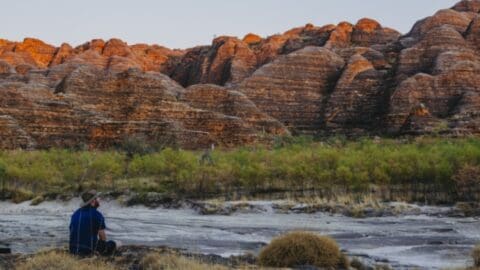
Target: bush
{"type": "Point", "coordinates": [428, 169]}
{"type": "Point", "coordinates": [60, 261]}
{"type": "Point", "coordinates": [154, 261]}
{"type": "Point", "coordinates": [302, 248]}
{"type": "Point", "coordinates": [22, 195]}
{"type": "Point", "coordinates": [476, 256]}
{"type": "Point", "coordinates": [37, 200]}
{"type": "Point", "coordinates": [468, 209]}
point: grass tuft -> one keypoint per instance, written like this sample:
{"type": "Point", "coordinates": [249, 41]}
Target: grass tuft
{"type": "Point", "coordinates": [300, 249]}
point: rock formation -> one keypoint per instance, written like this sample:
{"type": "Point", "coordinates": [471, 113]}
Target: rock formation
{"type": "Point", "coordinates": [113, 54]}
{"type": "Point", "coordinates": [294, 88]}
{"type": "Point", "coordinates": [229, 60]}
{"type": "Point", "coordinates": [353, 79]}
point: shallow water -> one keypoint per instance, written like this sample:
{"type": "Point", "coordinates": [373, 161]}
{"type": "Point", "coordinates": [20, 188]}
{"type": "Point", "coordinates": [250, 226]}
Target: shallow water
{"type": "Point", "coordinates": [406, 242]}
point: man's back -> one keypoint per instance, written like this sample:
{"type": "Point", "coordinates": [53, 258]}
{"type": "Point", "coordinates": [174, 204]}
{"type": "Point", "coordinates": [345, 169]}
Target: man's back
{"type": "Point", "coordinates": [84, 227]}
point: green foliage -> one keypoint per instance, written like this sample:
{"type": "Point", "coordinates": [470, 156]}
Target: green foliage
{"type": "Point", "coordinates": [302, 248]}
{"type": "Point", "coordinates": [3, 170]}
{"type": "Point", "coordinates": [293, 163]}
{"type": "Point", "coordinates": [173, 169]}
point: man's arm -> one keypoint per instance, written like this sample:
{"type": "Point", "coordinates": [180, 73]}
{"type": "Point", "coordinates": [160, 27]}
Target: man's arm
{"type": "Point", "coordinates": [102, 235]}
{"type": "Point", "coordinates": [101, 229]}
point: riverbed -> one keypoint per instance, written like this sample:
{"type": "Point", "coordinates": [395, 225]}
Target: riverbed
{"type": "Point", "coordinates": [423, 241]}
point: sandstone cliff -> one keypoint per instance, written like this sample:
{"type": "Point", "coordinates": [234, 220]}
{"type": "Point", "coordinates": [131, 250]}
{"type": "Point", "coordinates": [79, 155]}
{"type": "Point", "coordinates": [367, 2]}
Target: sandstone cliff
{"type": "Point", "coordinates": [354, 79]}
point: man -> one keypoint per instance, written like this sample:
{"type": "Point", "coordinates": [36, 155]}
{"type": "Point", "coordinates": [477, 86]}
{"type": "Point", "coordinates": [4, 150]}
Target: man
{"type": "Point", "coordinates": [87, 228]}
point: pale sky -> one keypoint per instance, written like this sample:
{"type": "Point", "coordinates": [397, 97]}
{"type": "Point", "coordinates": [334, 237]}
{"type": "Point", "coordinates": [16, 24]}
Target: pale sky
{"type": "Point", "coordinates": [187, 23]}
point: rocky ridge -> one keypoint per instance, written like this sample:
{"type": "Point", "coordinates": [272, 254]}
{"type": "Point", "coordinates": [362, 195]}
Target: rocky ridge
{"type": "Point", "coordinates": [353, 79]}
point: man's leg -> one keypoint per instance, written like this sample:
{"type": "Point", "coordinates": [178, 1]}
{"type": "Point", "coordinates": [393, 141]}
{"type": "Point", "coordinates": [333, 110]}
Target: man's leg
{"type": "Point", "coordinates": [111, 247]}
{"type": "Point", "coordinates": [106, 248]}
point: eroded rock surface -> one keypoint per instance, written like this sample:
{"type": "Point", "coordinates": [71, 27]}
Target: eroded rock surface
{"type": "Point", "coordinates": [100, 109]}
{"type": "Point", "coordinates": [294, 88]}
{"type": "Point", "coordinates": [353, 79]}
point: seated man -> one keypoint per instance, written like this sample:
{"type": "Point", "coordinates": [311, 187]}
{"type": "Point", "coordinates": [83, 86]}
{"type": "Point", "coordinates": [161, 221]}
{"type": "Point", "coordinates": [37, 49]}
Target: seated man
{"type": "Point", "coordinates": [87, 229]}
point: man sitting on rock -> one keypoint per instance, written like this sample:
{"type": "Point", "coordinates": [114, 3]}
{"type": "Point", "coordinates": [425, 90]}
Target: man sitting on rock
{"type": "Point", "coordinates": [87, 229]}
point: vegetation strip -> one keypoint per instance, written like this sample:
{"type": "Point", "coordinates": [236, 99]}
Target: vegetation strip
{"type": "Point", "coordinates": [432, 170]}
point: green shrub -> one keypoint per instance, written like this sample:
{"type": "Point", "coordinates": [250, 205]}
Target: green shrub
{"type": "Point", "coordinates": [135, 145]}
{"type": "Point", "coordinates": [302, 248]}
{"type": "Point", "coordinates": [424, 167]}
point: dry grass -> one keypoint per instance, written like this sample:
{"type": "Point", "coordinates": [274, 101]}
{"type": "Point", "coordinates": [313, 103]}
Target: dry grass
{"type": "Point", "coordinates": [22, 195]}
{"type": "Point", "coordinates": [55, 260]}
{"type": "Point", "coordinates": [366, 200]}
{"type": "Point", "coordinates": [302, 248]}
{"type": "Point", "coordinates": [154, 261]}
{"type": "Point", "coordinates": [59, 260]}
{"type": "Point", "coordinates": [476, 256]}
{"type": "Point", "coordinates": [476, 260]}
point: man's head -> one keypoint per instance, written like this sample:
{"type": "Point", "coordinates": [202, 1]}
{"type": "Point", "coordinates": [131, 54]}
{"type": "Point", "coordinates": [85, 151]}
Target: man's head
{"type": "Point", "coordinates": [90, 198]}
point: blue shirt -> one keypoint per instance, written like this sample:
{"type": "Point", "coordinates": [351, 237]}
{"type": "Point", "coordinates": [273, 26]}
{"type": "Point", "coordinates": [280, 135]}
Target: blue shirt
{"type": "Point", "coordinates": [84, 227]}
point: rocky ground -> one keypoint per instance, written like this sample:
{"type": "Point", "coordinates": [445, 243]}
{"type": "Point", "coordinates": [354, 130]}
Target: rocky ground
{"type": "Point", "coordinates": [278, 203]}
{"type": "Point", "coordinates": [129, 257]}
{"type": "Point", "coordinates": [353, 79]}
{"type": "Point", "coordinates": [360, 210]}
{"type": "Point", "coordinates": [401, 235]}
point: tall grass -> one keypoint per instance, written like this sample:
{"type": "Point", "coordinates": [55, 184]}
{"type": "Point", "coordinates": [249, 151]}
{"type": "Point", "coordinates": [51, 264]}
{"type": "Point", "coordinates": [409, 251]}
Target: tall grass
{"type": "Point", "coordinates": [423, 167]}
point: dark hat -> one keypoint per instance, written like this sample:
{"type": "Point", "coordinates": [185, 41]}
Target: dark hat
{"type": "Point", "coordinates": [89, 196]}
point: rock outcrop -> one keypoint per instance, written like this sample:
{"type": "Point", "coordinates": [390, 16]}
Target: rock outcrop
{"type": "Point", "coordinates": [229, 60]}
{"type": "Point", "coordinates": [232, 103]}
{"type": "Point", "coordinates": [113, 54]}
{"type": "Point", "coordinates": [98, 109]}
{"type": "Point", "coordinates": [437, 69]}
{"type": "Point", "coordinates": [294, 88]}
{"type": "Point", "coordinates": [358, 100]}
{"type": "Point", "coordinates": [353, 79]}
